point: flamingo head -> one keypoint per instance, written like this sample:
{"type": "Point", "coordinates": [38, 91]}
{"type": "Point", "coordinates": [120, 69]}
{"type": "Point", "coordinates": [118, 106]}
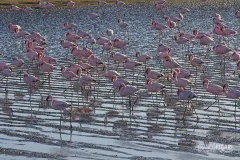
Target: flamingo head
{"type": "Point", "coordinates": [167, 18]}
{"type": "Point", "coordinates": [80, 62]}
{"type": "Point", "coordinates": [179, 91]}
{"type": "Point", "coordinates": [122, 86]}
{"type": "Point", "coordinates": [181, 34]}
{"type": "Point", "coordinates": [205, 81]}
{"type": "Point", "coordinates": [149, 81]}
{"type": "Point", "coordinates": [116, 40]}
{"type": "Point", "coordinates": [16, 30]}
{"type": "Point", "coordinates": [62, 41]}
{"type": "Point", "coordinates": [225, 87]}
{"type": "Point", "coordinates": [74, 49]}
{"type": "Point", "coordinates": [177, 70]}
{"type": "Point", "coordinates": [119, 20]}
{"type": "Point", "coordinates": [137, 54]}
{"type": "Point", "coordinates": [10, 25]}
{"type": "Point", "coordinates": [65, 24]}
{"type": "Point", "coordinates": [113, 54]}
{"type": "Point", "coordinates": [114, 78]}
{"type": "Point", "coordinates": [63, 68]}
{"type": "Point", "coordinates": [190, 56]}
{"type": "Point", "coordinates": [15, 58]}
{"type": "Point", "coordinates": [195, 31]}
{"type": "Point", "coordinates": [49, 98]}
{"type": "Point", "coordinates": [153, 22]}
{"type": "Point", "coordinates": [25, 75]}
{"type": "Point", "coordinates": [40, 55]}
{"type": "Point", "coordinates": [148, 70]}
{"type": "Point", "coordinates": [222, 28]}
{"type": "Point", "coordinates": [68, 33]}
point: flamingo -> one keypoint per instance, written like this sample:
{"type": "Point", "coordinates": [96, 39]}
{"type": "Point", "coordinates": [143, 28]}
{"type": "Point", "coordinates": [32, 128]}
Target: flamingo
{"type": "Point", "coordinates": [75, 68]}
{"type": "Point", "coordinates": [154, 87]}
{"type": "Point", "coordinates": [109, 32]}
{"type": "Point", "coordinates": [46, 67]}
{"type": "Point", "coordinates": [235, 56]}
{"type": "Point", "coordinates": [169, 62]}
{"type": "Point", "coordinates": [117, 82]}
{"type": "Point", "coordinates": [183, 73]}
{"type": "Point", "coordinates": [69, 26]}
{"type": "Point", "coordinates": [13, 27]}
{"type": "Point", "coordinates": [59, 105]}
{"type": "Point", "coordinates": [21, 34]}
{"type": "Point", "coordinates": [102, 40]}
{"type": "Point", "coordinates": [119, 3]}
{"type": "Point", "coordinates": [70, 4]}
{"type": "Point", "coordinates": [110, 73]}
{"type": "Point", "coordinates": [117, 43]}
{"type": "Point", "coordinates": [14, 8]}
{"type": "Point", "coordinates": [213, 89]}
{"type": "Point", "coordinates": [102, 3]}
{"type": "Point", "coordinates": [132, 65]}
{"type": "Point", "coordinates": [28, 10]}
{"type": "Point", "coordinates": [186, 95]}
{"type": "Point", "coordinates": [160, 7]}
{"type": "Point", "coordinates": [163, 48]}
{"type": "Point", "coordinates": [184, 10]}
{"type": "Point", "coordinates": [48, 59]}
{"type": "Point", "coordinates": [179, 82]}
{"type": "Point", "coordinates": [94, 61]}
{"type": "Point", "coordinates": [196, 62]}
{"type": "Point", "coordinates": [237, 14]}
{"type": "Point", "coordinates": [67, 44]}
{"type": "Point", "coordinates": [159, 27]}
{"type": "Point", "coordinates": [6, 73]}
{"type": "Point", "coordinates": [153, 74]}
{"type": "Point", "coordinates": [72, 37]}
{"type": "Point", "coordinates": [127, 91]}
{"type": "Point", "coordinates": [143, 58]}
{"type": "Point", "coordinates": [231, 93]}
{"type": "Point", "coordinates": [18, 63]}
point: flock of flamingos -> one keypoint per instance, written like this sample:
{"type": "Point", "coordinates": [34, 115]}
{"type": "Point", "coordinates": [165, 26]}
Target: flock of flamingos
{"type": "Point", "coordinates": [88, 61]}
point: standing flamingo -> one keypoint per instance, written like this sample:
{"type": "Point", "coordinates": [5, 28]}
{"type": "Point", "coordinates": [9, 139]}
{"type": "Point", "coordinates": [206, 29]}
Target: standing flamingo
{"type": "Point", "coordinates": [59, 105]}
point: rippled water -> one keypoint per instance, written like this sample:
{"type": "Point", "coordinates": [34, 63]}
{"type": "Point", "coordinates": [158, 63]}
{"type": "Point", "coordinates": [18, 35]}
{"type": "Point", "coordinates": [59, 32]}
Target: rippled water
{"type": "Point", "coordinates": [153, 132]}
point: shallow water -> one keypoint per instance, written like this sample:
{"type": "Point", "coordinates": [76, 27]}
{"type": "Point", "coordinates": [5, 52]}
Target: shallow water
{"type": "Point", "coordinates": [30, 132]}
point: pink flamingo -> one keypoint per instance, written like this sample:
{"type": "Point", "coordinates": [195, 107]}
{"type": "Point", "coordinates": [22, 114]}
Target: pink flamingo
{"type": "Point", "coordinates": [170, 23]}
{"type": "Point", "coordinates": [154, 87]}
{"type": "Point", "coordinates": [72, 37]}
{"type": "Point", "coordinates": [159, 27]}
{"type": "Point", "coordinates": [70, 4]}
{"type": "Point", "coordinates": [21, 34]}
{"type": "Point", "coordinates": [28, 10]}
{"type": "Point", "coordinates": [13, 27]}
{"type": "Point", "coordinates": [143, 58]}
{"type": "Point", "coordinates": [237, 14]}
{"type": "Point", "coordinates": [14, 8]}
{"type": "Point", "coordinates": [213, 89]}
{"type": "Point", "coordinates": [67, 44]}
{"type": "Point", "coordinates": [102, 3]}
{"type": "Point", "coordinates": [94, 61]}
{"type": "Point", "coordinates": [48, 59]}
{"type": "Point", "coordinates": [196, 62]}
{"type": "Point", "coordinates": [18, 63]}
{"type": "Point", "coordinates": [231, 93]}
{"type": "Point", "coordinates": [110, 73]}
{"type": "Point", "coordinates": [6, 73]}
{"type": "Point", "coordinates": [107, 47]}
{"type": "Point", "coordinates": [69, 26]}
{"type": "Point", "coordinates": [153, 74]}
{"type": "Point", "coordinates": [59, 105]}
{"type": "Point", "coordinates": [127, 91]}
{"type": "Point", "coordinates": [117, 82]}
{"type": "Point", "coordinates": [102, 40]}
{"type": "Point", "coordinates": [30, 80]}
{"type": "Point", "coordinates": [36, 48]}
{"type": "Point", "coordinates": [163, 48]}
{"type": "Point", "coordinates": [179, 82]}
{"type": "Point", "coordinates": [4, 66]}
{"type": "Point", "coordinates": [183, 73]}
{"type": "Point", "coordinates": [161, 7]}
{"type": "Point", "coordinates": [46, 67]}
{"type": "Point", "coordinates": [119, 3]}
{"type": "Point", "coordinates": [75, 68]}
{"type": "Point", "coordinates": [161, 1]}
{"type": "Point", "coordinates": [117, 43]}
{"type": "Point", "coordinates": [122, 24]}
{"type": "Point", "coordinates": [187, 95]}
{"type": "Point", "coordinates": [235, 56]}
{"type": "Point", "coordinates": [132, 65]}
{"type": "Point", "coordinates": [184, 10]}
{"type": "Point", "coordinates": [169, 62]}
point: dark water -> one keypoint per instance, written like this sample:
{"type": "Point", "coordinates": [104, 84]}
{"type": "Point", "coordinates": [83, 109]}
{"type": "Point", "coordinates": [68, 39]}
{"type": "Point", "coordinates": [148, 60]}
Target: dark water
{"type": "Point", "coordinates": [154, 131]}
